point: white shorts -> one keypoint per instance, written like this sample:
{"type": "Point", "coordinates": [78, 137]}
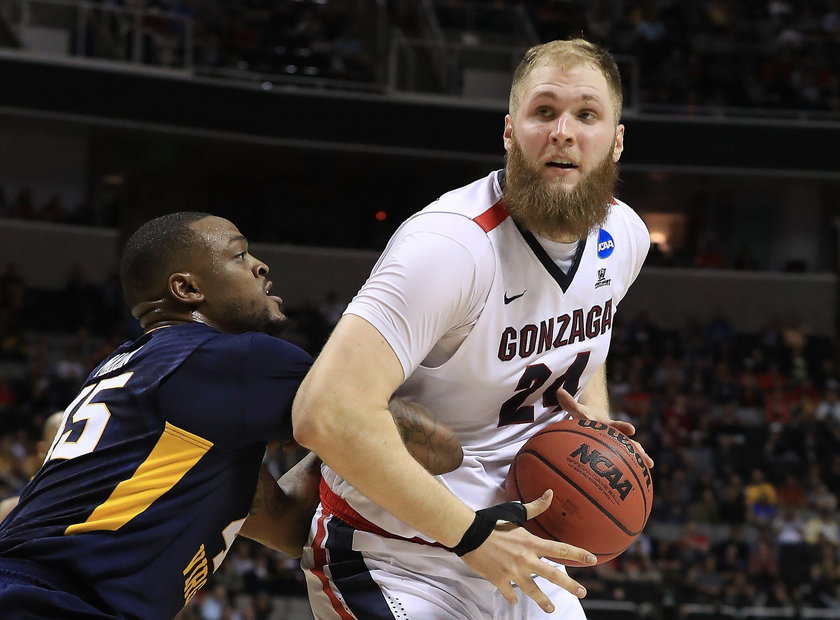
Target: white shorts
{"type": "Point", "coordinates": [355, 574]}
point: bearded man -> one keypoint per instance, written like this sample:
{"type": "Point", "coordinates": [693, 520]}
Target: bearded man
{"type": "Point", "coordinates": [493, 307]}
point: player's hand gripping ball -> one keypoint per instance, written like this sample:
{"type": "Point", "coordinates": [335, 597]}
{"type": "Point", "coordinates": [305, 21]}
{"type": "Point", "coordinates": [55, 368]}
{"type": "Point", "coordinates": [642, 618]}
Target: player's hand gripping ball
{"type": "Point", "coordinates": [602, 489]}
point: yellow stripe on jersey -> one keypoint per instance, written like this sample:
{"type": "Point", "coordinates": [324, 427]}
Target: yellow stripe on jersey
{"type": "Point", "coordinates": [175, 453]}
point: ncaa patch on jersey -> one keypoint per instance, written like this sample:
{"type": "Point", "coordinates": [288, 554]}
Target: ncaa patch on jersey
{"type": "Point", "coordinates": [606, 245]}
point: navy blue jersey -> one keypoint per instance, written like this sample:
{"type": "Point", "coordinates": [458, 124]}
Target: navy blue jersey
{"type": "Point", "coordinates": [154, 468]}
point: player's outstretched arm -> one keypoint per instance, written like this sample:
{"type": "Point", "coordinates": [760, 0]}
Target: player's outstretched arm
{"type": "Point", "coordinates": [510, 554]}
{"type": "Point", "coordinates": [282, 509]}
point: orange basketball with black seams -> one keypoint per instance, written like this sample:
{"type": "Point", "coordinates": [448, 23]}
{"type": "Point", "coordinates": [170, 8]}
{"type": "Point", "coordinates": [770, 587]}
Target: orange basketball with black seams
{"type": "Point", "coordinates": [602, 490]}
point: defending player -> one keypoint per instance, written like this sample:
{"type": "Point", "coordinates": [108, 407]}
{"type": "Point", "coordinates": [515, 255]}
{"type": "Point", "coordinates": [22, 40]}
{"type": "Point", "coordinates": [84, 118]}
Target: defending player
{"type": "Point", "coordinates": [491, 306]}
{"type": "Point", "coordinates": [153, 470]}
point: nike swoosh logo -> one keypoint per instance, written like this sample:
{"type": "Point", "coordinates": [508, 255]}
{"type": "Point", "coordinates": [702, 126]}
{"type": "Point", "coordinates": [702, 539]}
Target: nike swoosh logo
{"type": "Point", "coordinates": [510, 299]}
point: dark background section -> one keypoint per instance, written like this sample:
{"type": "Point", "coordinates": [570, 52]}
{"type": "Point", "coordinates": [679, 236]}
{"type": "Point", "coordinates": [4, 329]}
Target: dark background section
{"type": "Point", "coordinates": [359, 120]}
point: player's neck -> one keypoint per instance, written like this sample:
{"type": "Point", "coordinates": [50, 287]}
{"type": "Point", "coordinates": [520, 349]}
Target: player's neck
{"type": "Point", "coordinates": [561, 237]}
{"type": "Point", "coordinates": [155, 314]}
{"type": "Point", "coordinates": [158, 324]}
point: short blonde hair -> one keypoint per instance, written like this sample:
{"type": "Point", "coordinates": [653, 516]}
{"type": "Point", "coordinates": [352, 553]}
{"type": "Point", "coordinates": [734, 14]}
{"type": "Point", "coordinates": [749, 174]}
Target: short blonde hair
{"type": "Point", "coordinates": [571, 53]}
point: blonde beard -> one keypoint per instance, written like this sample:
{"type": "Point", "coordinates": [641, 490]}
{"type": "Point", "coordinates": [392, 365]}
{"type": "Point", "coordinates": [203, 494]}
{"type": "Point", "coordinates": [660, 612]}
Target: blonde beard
{"type": "Point", "coordinates": [552, 211]}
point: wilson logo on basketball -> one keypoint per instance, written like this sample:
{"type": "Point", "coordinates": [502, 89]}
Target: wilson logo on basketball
{"type": "Point", "coordinates": [622, 439]}
{"type": "Point", "coordinates": [605, 468]}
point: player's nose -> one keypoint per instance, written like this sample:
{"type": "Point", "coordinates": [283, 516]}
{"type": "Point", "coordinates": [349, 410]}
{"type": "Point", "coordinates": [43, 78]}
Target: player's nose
{"type": "Point", "coordinates": [562, 131]}
{"type": "Point", "coordinates": [260, 268]}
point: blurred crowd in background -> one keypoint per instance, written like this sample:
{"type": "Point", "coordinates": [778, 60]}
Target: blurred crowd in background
{"type": "Point", "coordinates": [717, 53]}
{"type": "Point", "coordinates": [744, 428]}
{"type": "Point", "coordinates": [692, 54]}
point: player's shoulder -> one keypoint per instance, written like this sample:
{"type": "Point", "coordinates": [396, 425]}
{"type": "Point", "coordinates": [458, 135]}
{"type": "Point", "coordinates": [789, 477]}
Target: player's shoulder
{"type": "Point", "coordinates": [263, 345]}
{"type": "Point", "coordinates": [258, 347]}
{"type": "Point", "coordinates": [452, 218]}
{"type": "Point", "coordinates": [623, 225]}
{"type": "Point", "coordinates": [623, 215]}
{"type": "Point", "coordinates": [469, 201]}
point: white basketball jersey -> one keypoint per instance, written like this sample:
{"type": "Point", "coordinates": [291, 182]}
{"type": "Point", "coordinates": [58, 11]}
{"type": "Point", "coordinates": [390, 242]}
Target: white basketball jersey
{"type": "Point", "coordinates": [539, 329]}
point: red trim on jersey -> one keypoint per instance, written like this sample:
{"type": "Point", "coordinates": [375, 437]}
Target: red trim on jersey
{"type": "Point", "coordinates": [334, 505]}
{"type": "Point", "coordinates": [319, 556]}
{"type": "Point", "coordinates": [613, 201]}
{"type": "Point", "coordinates": [491, 218]}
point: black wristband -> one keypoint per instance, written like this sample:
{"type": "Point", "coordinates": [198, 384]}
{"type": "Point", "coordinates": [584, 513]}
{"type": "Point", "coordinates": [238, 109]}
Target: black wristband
{"type": "Point", "coordinates": [484, 522]}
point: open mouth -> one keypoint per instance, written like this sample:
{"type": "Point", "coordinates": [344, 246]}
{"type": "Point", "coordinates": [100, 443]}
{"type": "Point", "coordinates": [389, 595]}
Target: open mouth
{"type": "Point", "coordinates": [563, 165]}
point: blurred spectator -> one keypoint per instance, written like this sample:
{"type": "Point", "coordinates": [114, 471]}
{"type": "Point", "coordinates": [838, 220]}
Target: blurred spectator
{"type": "Point", "coordinates": [739, 592]}
{"type": "Point", "coordinates": [791, 494]}
{"type": "Point", "coordinates": [763, 565]}
{"type": "Point", "coordinates": [789, 527]}
{"type": "Point", "coordinates": [828, 409]}
{"type": "Point", "coordinates": [331, 309]}
{"type": "Point", "coordinates": [215, 604]}
{"type": "Point", "coordinates": [823, 528]}
{"type": "Point", "coordinates": [706, 581]}
{"type": "Point", "coordinates": [759, 489]}
{"type": "Point", "coordinates": [732, 508]}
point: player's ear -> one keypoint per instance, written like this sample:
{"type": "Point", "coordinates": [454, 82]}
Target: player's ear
{"type": "Point", "coordinates": [507, 135]}
{"type": "Point", "coordinates": [184, 288]}
{"type": "Point", "coordinates": [618, 148]}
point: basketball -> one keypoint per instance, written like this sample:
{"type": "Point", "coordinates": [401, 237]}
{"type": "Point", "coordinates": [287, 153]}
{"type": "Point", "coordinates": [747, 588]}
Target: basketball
{"type": "Point", "coordinates": [602, 489]}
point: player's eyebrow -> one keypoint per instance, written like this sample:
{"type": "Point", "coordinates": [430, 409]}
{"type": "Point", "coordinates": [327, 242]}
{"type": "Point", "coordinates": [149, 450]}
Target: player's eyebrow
{"type": "Point", "coordinates": [236, 238]}
{"type": "Point", "coordinates": [550, 94]}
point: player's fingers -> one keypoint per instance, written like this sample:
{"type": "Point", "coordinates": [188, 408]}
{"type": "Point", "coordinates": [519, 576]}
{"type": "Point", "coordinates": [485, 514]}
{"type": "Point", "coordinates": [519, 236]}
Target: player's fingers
{"type": "Point", "coordinates": [623, 427]}
{"type": "Point", "coordinates": [531, 589]}
{"type": "Point", "coordinates": [564, 551]}
{"type": "Point", "coordinates": [573, 408]}
{"type": "Point", "coordinates": [570, 405]}
{"type": "Point", "coordinates": [561, 579]}
{"type": "Point", "coordinates": [508, 593]}
{"type": "Point", "coordinates": [643, 453]}
{"type": "Point", "coordinates": [539, 505]}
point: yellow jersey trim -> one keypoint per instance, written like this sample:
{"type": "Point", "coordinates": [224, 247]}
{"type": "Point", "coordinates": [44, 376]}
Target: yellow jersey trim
{"type": "Point", "coordinates": [174, 454]}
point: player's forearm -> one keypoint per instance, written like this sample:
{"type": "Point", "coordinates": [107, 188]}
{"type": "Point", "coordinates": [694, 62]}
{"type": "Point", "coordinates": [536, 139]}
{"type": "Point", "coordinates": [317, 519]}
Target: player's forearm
{"type": "Point", "coordinates": [431, 443]}
{"type": "Point", "coordinates": [595, 394]}
{"type": "Point", "coordinates": [282, 510]}
{"type": "Point", "coordinates": [369, 453]}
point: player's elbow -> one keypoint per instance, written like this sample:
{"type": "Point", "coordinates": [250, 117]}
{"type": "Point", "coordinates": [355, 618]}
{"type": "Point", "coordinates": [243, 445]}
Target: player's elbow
{"type": "Point", "coordinates": [314, 421]}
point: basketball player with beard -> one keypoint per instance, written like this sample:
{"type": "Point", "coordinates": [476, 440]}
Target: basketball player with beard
{"type": "Point", "coordinates": [493, 307]}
